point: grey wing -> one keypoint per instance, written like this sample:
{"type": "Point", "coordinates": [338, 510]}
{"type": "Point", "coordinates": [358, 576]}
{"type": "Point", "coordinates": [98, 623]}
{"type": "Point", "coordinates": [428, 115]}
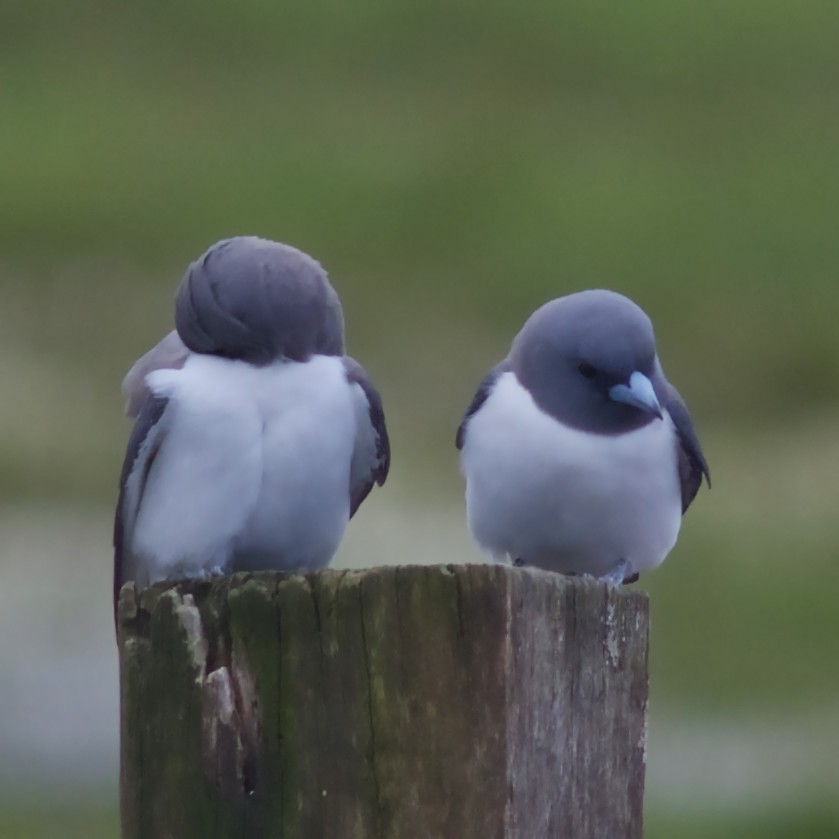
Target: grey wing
{"type": "Point", "coordinates": [170, 352]}
{"type": "Point", "coordinates": [692, 464]}
{"type": "Point", "coordinates": [484, 390]}
{"type": "Point", "coordinates": [371, 455]}
{"type": "Point", "coordinates": [143, 446]}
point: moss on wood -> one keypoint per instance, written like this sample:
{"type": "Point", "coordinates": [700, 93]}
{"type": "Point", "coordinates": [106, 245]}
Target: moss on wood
{"type": "Point", "coordinates": [457, 702]}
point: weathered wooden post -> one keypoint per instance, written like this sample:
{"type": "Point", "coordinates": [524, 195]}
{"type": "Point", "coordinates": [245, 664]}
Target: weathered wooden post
{"type": "Point", "coordinates": [442, 702]}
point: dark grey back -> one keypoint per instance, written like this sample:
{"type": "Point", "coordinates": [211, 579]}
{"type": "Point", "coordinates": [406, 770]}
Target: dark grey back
{"type": "Point", "coordinates": [256, 300]}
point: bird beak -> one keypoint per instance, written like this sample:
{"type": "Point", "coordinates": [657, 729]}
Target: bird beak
{"type": "Point", "coordinates": [638, 392]}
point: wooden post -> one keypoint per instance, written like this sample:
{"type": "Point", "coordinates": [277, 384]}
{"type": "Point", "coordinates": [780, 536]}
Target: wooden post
{"type": "Point", "coordinates": [441, 702]}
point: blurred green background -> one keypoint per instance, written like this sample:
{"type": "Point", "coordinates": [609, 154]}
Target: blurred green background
{"type": "Point", "coordinates": [453, 165]}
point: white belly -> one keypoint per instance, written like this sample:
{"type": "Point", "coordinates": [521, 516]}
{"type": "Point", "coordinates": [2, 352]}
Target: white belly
{"type": "Point", "coordinates": [564, 499]}
{"type": "Point", "coordinates": [253, 471]}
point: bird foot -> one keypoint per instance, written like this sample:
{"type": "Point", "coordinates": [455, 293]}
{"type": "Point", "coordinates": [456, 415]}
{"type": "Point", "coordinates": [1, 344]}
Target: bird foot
{"type": "Point", "coordinates": [623, 572]}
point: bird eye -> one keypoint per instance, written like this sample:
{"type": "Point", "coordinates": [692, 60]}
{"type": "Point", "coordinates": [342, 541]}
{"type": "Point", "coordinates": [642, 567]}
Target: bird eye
{"type": "Point", "coordinates": [587, 370]}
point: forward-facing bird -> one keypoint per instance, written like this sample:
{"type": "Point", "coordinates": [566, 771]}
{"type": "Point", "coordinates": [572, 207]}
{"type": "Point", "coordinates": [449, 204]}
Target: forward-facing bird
{"type": "Point", "coordinates": [579, 456]}
{"type": "Point", "coordinates": [256, 438]}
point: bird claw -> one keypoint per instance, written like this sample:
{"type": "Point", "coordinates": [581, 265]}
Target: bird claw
{"type": "Point", "coordinates": [622, 574]}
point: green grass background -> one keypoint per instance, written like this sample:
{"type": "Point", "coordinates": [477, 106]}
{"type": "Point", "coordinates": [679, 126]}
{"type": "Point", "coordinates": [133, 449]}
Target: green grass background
{"type": "Point", "coordinates": [453, 165]}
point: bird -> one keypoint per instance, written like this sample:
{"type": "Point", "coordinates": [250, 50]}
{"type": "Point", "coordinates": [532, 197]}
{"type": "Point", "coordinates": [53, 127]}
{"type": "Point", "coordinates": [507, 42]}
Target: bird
{"type": "Point", "coordinates": [255, 437]}
{"type": "Point", "coordinates": [579, 456]}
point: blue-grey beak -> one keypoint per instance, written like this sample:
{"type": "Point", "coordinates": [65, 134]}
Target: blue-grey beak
{"type": "Point", "coordinates": [638, 392]}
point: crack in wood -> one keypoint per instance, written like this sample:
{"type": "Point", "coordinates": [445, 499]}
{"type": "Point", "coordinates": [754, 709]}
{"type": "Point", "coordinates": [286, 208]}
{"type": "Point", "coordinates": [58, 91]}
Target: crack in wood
{"type": "Point", "coordinates": [369, 676]}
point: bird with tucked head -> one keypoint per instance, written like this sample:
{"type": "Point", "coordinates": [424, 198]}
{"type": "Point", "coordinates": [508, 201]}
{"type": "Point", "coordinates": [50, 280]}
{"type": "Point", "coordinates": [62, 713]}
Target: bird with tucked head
{"type": "Point", "coordinates": [256, 438]}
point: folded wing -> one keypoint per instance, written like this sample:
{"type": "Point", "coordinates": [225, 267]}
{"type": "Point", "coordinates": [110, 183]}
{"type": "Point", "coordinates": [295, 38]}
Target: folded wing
{"type": "Point", "coordinates": [692, 464]}
{"type": "Point", "coordinates": [143, 446]}
{"type": "Point", "coordinates": [170, 352]}
{"type": "Point", "coordinates": [484, 390]}
{"type": "Point", "coordinates": [371, 455]}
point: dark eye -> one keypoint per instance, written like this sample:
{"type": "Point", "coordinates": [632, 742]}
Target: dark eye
{"type": "Point", "coordinates": [587, 370]}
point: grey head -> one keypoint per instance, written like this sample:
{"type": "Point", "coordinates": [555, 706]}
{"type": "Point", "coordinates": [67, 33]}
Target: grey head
{"type": "Point", "coordinates": [589, 360]}
{"type": "Point", "coordinates": [256, 300]}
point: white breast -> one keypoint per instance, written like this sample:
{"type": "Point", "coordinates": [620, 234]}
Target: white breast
{"type": "Point", "coordinates": [566, 499]}
{"type": "Point", "coordinates": [253, 471]}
